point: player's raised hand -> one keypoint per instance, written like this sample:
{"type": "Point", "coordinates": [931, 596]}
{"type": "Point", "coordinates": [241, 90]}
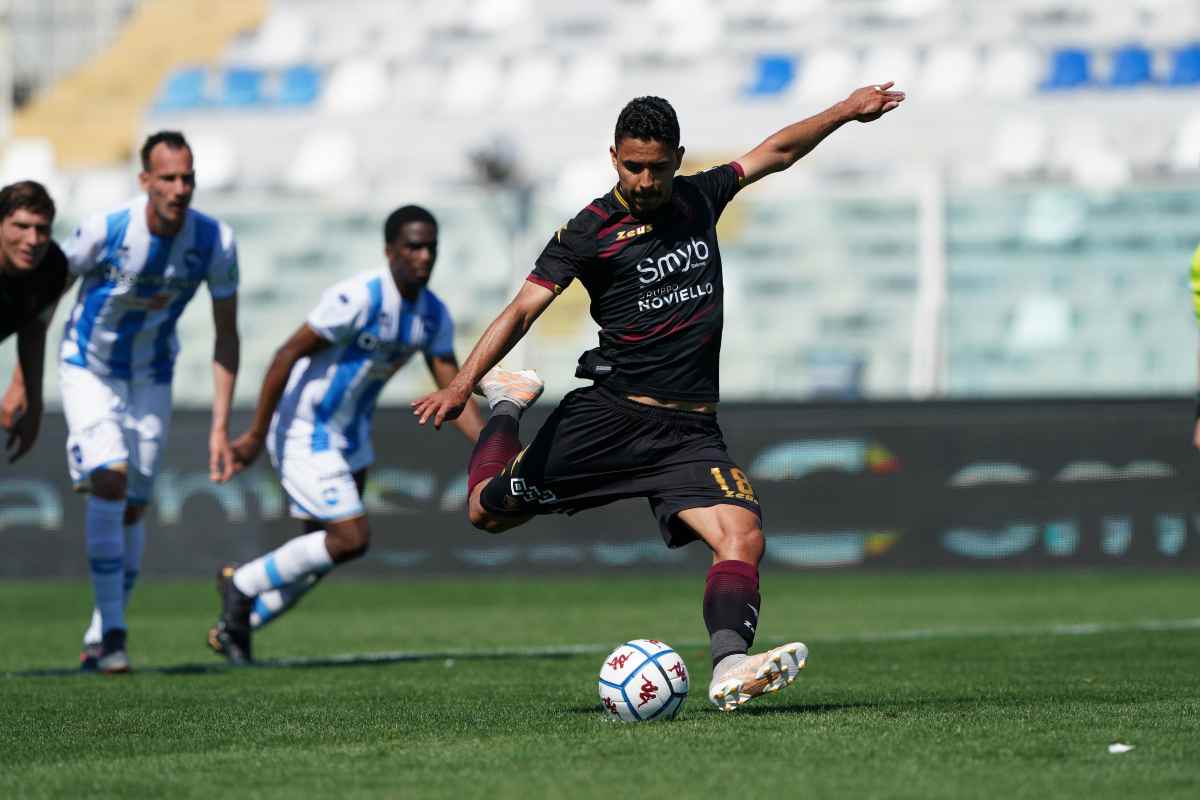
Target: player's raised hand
{"type": "Point", "coordinates": [871, 102]}
{"type": "Point", "coordinates": [440, 406]}
{"type": "Point", "coordinates": [221, 465]}
{"type": "Point", "coordinates": [246, 449]}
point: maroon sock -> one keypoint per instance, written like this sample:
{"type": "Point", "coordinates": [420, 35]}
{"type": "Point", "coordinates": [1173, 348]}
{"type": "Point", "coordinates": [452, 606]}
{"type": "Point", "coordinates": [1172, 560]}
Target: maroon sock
{"type": "Point", "coordinates": [498, 442]}
{"type": "Point", "coordinates": [731, 606]}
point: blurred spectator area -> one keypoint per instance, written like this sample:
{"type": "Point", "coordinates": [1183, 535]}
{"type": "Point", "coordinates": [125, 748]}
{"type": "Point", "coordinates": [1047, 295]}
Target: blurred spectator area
{"type": "Point", "coordinates": [1065, 137]}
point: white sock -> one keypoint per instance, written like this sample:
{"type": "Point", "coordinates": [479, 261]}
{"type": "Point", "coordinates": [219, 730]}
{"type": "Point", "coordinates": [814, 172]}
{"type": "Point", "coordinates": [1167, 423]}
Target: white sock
{"type": "Point", "coordinates": [135, 543]}
{"type": "Point", "coordinates": [271, 604]}
{"type": "Point", "coordinates": [287, 564]}
{"type": "Point", "coordinates": [106, 557]}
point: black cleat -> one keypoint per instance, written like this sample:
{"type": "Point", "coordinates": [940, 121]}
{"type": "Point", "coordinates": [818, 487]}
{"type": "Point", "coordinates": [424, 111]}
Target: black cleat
{"type": "Point", "coordinates": [89, 657]}
{"type": "Point", "coordinates": [113, 658]}
{"type": "Point", "coordinates": [230, 637]}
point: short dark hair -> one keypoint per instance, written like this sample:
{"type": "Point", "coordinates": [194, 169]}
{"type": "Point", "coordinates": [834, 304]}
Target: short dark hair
{"type": "Point", "coordinates": [650, 118]}
{"type": "Point", "coordinates": [27, 195]}
{"type": "Point", "coordinates": [172, 139]}
{"type": "Point", "coordinates": [402, 216]}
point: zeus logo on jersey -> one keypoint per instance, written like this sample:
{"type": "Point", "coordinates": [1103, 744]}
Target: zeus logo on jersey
{"type": "Point", "coordinates": [684, 258]}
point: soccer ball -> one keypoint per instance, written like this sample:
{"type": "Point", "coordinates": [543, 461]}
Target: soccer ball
{"type": "Point", "coordinates": [643, 680]}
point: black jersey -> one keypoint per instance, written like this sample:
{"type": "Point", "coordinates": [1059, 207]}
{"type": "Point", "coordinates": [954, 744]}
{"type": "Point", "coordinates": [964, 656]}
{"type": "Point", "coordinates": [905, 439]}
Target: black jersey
{"type": "Point", "coordinates": [655, 285]}
{"type": "Point", "coordinates": [25, 295]}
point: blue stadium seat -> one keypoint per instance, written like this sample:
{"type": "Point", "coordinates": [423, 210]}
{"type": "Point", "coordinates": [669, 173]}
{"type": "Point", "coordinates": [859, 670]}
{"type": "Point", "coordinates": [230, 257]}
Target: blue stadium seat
{"type": "Point", "coordinates": [1070, 68]}
{"type": "Point", "coordinates": [1185, 67]}
{"type": "Point", "coordinates": [1131, 66]}
{"type": "Point", "coordinates": [184, 89]}
{"type": "Point", "coordinates": [299, 85]}
{"type": "Point", "coordinates": [243, 87]}
{"type": "Point", "coordinates": [772, 74]}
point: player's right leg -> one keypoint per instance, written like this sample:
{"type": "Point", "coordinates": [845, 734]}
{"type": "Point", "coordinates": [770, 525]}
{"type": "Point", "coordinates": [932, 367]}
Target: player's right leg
{"type": "Point", "coordinates": [508, 394]}
{"type": "Point", "coordinates": [97, 457]}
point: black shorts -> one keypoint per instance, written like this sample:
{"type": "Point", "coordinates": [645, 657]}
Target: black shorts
{"type": "Point", "coordinates": [599, 446]}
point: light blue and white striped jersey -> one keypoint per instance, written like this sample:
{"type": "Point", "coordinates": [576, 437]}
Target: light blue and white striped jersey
{"type": "Point", "coordinates": [135, 286]}
{"type": "Point", "coordinates": [330, 396]}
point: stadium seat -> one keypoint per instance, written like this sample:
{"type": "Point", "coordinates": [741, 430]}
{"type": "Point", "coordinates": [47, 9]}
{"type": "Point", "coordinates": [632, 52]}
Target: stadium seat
{"type": "Point", "coordinates": [1070, 68]}
{"type": "Point", "coordinates": [471, 84]}
{"type": "Point", "coordinates": [324, 162]}
{"type": "Point", "coordinates": [299, 86]}
{"type": "Point", "coordinates": [1020, 146]}
{"type": "Point", "coordinates": [1185, 152]}
{"type": "Point", "coordinates": [772, 75]}
{"type": "Point", "coordinates": [826, 73]}
{"type": "Point", "coordinates": [242, 86]}
{"type": "Point", "coordinates": [184, 89]}
{"type": "Point", "coordinates": [29, 158]}
{"type": "Point", "coordinates": [531, 82]}
{"type": "Point", "coordinates": [215, 160]}
{"type": "Point", "coordinates": [897, 64]}
{"type": "Point", "coordinates": [589, 80]}
{"type": "Point", "coordinates": [1011, 72]}
{"type": "Point", "coordinates": [1131, 66]}
{"type": "Point", "coordinates": [283, 39]}
{"type": "Point", "coordinates": [357, 85]}
{"type": "Point", "coordinates": [1185, 67]}
{"type": "Point", "coordinates": [948, 72]}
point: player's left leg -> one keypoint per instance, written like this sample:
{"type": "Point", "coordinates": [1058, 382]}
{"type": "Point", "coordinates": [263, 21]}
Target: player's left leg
{"type": "Point", "coordinates": [313, 481]}
{"type": "Point", "coordinates": [508, 394]}
{"type": "Point", "coordinates": [145, 421]}
{"type": "Point", "coordinates": [271, 605]}
{"type": "Point", "coordinates": [732, 604]}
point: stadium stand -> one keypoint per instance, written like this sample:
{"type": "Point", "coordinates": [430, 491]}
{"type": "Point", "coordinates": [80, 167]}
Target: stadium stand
{"type": "Point", "coordinates": [1053, 127]}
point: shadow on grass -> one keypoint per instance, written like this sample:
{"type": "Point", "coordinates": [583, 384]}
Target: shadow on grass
{"type": "Point", "coordinates": [327, 662]}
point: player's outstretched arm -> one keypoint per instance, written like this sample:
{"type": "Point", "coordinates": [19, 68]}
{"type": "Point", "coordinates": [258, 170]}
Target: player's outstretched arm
{"type": "Point", "coordinates": [444, 370]}
{"type": "Point", "coordinates": [500, 337]}
{"type": "Point", "coordinates": [227, 350]}
{"type": "Point", "coordinates": [21, 412]}
{"type": "Point", "coordinates": [304, 342]}
{"type": "Point", "coordinates": [785, 147]}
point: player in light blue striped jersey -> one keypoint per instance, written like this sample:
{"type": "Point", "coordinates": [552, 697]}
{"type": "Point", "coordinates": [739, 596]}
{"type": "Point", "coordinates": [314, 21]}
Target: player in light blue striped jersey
{"type": "Point", "coordinates": [138, 267]}
{"type": "Point", "coordinates": [314, 418]}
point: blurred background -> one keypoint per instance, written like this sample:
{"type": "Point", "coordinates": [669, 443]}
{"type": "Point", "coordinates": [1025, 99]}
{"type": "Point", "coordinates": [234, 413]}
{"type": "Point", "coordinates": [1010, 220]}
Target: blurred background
{"type": "Point", "coordinates": [1019, 232]}
{"type": "Point", "coordinates": [1022, 227]}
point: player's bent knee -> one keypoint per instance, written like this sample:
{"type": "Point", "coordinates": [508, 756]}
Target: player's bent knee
{"type": "Point", "coordinates": [134, 512]}
{"type": "Point", "coordinates": [108, 484]}
{"type": "Point", "coordinates": [347, 541]}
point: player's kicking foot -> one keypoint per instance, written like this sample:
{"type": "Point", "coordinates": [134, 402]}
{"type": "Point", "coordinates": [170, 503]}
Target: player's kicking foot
{"type": "Point", "coordinates": [230, 637]}
{"type": "Point", "coordinates": [113, 658]}
{"type": "Point", "coordinates": [757, 675]}
{"type": "Point", "coordinates": [521, 388]}
{"type": "Point", "coordinates": [89, 657]}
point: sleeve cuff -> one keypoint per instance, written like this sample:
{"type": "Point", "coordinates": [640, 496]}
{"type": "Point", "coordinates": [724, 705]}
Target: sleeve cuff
{"type": "Point", "coordinates": [545, 284]}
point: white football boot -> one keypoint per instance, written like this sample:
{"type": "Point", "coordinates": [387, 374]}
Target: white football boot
{"type": "Point", "coordinates": [521, 388]}
{"type": "Point", "coordinates": [757, 675]}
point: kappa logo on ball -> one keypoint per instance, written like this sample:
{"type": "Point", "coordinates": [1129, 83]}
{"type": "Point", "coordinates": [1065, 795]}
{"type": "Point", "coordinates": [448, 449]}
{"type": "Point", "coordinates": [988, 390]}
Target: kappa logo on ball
{"type": "Point", "coordinates": [679, 669]}
{"type": "Point", "coordinates": [618, 662]}
{"type": "Point", "coordinates": [648, 691]}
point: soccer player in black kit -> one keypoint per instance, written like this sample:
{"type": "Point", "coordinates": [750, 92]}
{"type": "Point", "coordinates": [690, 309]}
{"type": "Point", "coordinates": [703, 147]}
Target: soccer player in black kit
{"type": "Point", "coordinates": [33, 275]}
{"type": "Point", "coordinates": [647, 254]}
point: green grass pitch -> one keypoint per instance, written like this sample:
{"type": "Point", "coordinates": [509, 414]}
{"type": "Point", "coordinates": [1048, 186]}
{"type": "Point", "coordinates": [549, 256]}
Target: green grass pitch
{"type": "Point", "coordinates": [994, 684]}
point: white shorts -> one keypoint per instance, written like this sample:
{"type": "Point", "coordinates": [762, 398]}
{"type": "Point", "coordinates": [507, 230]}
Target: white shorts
{"type": "Point", "coordinates": [320, 485]}
{"type": "Point", "coordinates": [112, 421]}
